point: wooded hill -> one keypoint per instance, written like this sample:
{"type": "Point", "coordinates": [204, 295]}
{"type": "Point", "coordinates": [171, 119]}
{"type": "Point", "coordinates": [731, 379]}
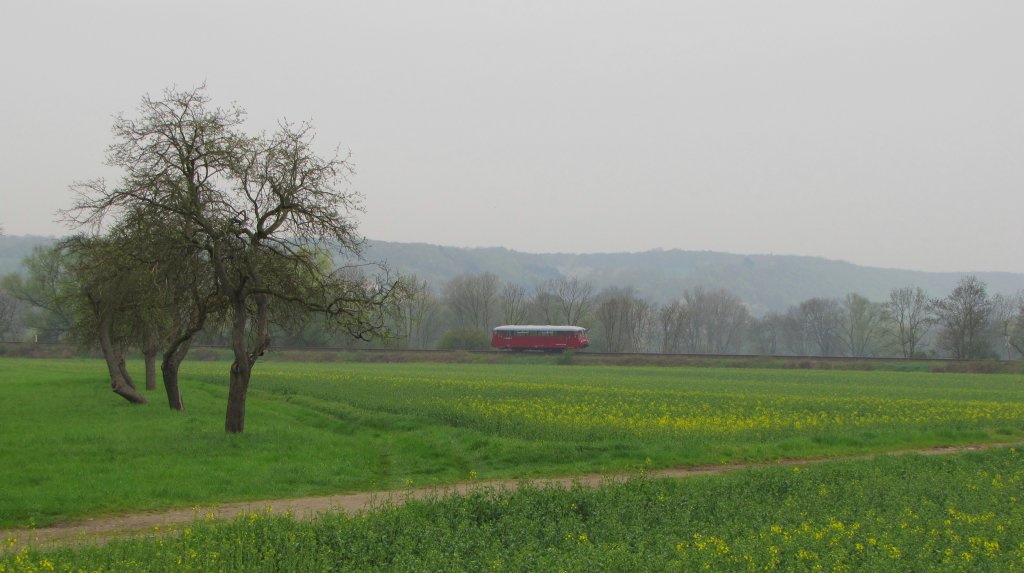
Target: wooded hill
{"type": "Point", "coordinates": [764, 282]}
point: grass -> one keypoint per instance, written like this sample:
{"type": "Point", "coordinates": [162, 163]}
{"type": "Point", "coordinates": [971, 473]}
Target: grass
{"type": "Point", "coordinates": [905, 513]}
{"type": "Point", "coordinates": [81, 451]}
{"type": "Point", "coordinates": [72, 449]}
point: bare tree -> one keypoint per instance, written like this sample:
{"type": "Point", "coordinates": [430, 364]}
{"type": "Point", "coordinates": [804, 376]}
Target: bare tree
{"type": "Point", "coordinates": [625, 320]}
{"type": "Point", "coordinates": [573, 298]}
{"type": "Point", "coordinates": [472, 300]}
{"type": "Point", "coordinates": [1004, 313]}
{"type": "Point", "coordinates": [795, 333]}
{"type": "Point", "coordinates": [672, 319]}
{"type": "Point", "coordinates": [765, 334]}
{"type": "Point", "coordinates": [514, 306]}
{"type": "Point", "coordinates": [861, 325]}
{"type": "Point", "coordinates": [544, 305]}
{"type": "Point", "coordinates": [716, 321]}
{"type": "Point", "coordinates": [823, 319]}
{"type": "Point", "coordinates": [8, 308]}
{"type": "Point", "coordinates": [964, 318]}
{"type": "Point", "coordinates": [262, 209]}
{"type": "Point", "coordinates": [417, 315]}
{"type": "Point", "coordinates": [909, 318]}
{"type": "Point", "coordinates": [426, 317]}
{"type": "Point", "coordinates": [1017, 327]}
{"type": "Point", "coordinates": [704, 321]}
{"type": "Point", "coordinates": [8, 313]}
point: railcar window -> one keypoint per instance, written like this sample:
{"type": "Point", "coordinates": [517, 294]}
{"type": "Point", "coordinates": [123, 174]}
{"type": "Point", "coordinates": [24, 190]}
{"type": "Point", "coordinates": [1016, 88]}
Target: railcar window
{"type": "Point", "coordinates": [558, 333]}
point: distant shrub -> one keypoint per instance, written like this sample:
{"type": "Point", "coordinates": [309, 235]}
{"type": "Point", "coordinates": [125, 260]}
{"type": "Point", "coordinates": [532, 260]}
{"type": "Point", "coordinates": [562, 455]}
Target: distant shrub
{"type": "Point", "coordinates": [464, 339]}
{"type": "Point", "coordinates": [206, 354]}
{"type": "Point", "coordinates": [43, 350]}
{"type": "Point", "coordinates": [565, 357]}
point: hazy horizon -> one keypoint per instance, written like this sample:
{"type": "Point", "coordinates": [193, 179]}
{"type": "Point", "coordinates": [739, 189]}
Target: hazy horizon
{"type": "Point", "coordinates": [883, 134]}
{"type": "Point", "coordinates": [371, 240]}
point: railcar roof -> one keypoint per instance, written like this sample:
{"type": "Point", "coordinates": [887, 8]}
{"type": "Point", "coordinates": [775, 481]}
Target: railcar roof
{"type": "Point", "coordinates": [535, 327]}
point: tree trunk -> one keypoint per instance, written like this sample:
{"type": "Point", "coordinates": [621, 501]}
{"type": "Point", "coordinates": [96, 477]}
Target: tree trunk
{"type": "Point", "coordinates": [121, 382]}
{"type": "Point", "coordinates": [169, 370]}
{"type": "Point", "coordinates": [150, 358]}
{"type": "Point", "coordinates": [245, 357]}
{"type": "Point", "coordinates": [169, 365]}
{"type": "Point", "coordinates": [113, 353]}
{"type": "Point", "coordinates": [150, 351]}
{"type": "Point", "coordinates": [241, 372]}
{"type": "Point", "coordinates": [174, 355]}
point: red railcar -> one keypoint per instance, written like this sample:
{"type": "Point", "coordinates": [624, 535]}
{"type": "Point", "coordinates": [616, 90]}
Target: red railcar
{"type": "Point", "coordinates": [548, 338]}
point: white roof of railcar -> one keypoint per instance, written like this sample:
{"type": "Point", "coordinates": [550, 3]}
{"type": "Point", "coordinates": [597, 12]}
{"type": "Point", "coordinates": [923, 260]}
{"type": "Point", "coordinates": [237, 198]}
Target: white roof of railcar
{"type": "Point", "coordinates": [539, 328]}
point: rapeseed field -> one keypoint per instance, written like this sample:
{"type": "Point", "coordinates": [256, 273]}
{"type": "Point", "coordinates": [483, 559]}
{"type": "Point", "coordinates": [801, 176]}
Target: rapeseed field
{"type": "Point", "coordinates": [893, 513]}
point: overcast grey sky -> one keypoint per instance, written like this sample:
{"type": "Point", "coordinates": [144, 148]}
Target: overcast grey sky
{"type": "Point", "coordinates": [884, 133]}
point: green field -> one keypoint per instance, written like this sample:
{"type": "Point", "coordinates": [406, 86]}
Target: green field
{"type": "Point", "coordinates": [71, 449]}
{"type": "Point", "coordinates": [906, 513]}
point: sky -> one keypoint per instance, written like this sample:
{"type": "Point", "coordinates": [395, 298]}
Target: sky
{"type": "Point", "coordinates": [884, 133]}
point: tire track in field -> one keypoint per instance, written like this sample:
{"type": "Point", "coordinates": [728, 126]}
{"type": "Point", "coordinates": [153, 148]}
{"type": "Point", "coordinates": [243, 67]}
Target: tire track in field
{"type": "Point", "coordinates": [101, 529]}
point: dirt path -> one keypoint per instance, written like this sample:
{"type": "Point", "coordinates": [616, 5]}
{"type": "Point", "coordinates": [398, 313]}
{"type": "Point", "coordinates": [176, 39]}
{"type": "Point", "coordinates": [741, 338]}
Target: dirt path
{"type": "Point", "coordinates": [101, 529]}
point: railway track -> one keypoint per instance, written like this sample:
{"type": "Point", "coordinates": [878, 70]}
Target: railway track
{"type": "Point", "coordinates": [585, 356]}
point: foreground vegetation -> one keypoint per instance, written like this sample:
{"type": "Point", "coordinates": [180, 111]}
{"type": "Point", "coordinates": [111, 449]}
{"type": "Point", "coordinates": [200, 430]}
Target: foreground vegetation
{"type": "Point", "coordinates": [330, 428]}
{"type": "Point", "coordinates": [905, 513]}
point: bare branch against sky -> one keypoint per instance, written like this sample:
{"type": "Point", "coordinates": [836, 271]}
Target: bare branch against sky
{"type": "Point", "coordinates": [885, 133]}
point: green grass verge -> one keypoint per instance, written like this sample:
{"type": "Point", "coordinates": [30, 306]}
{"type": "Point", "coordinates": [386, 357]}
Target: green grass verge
{"type": "Point", "coordinates": [905, 513]}
{"type": "Point", "coordinates": [72, 449]}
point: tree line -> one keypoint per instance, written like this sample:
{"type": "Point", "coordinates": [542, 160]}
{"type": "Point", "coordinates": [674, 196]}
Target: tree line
{"type": "Point", "coordinates": [966, 323]}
